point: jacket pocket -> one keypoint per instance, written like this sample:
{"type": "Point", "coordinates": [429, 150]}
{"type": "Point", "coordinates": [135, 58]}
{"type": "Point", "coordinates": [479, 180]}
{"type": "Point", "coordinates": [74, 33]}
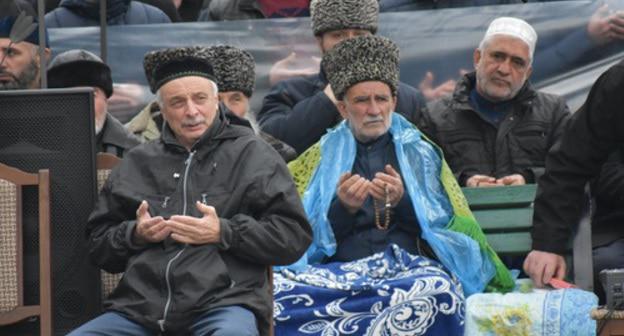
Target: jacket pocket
{"type": "Point", "coordinates": [218, 198]}
{"type": "Point", "coordinates": [463, 149]}
{"type": "Point", "coordinates": [200, 275]}
{"type": "Point", "coordinates": [532, 142]}
{"type": "Point", "coordinates": [161, 205]}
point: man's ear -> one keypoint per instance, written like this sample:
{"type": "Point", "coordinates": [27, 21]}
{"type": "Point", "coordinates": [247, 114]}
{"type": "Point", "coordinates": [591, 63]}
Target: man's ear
{"type": "Point", "coordinates": [342, 109]}
{"type": "Point", "coordinates": [319, 42]}
{"type": "Point", "coordinates": [529, 72]}
{"type": "Point", "coordinates": [476, 57]}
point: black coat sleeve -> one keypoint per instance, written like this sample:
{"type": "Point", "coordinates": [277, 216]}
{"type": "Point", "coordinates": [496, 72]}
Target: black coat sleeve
{"type": "Point", "coordinates": [111, 226]}
{"type": "Point", "coordinates": [560, 118]}
{"type": "Point", "coordinates": [297, 113]}
{"type": "Point", "coordinates": [608, 187]}
{"type": "Point", "coordinates": [595, 131]}
{"type": "Point", "coordinates": [277, 231]}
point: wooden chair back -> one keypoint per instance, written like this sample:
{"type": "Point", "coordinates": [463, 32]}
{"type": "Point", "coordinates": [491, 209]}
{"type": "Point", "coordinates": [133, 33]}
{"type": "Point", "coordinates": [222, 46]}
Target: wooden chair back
{"type": "Point", "coordinates": [12, 307]}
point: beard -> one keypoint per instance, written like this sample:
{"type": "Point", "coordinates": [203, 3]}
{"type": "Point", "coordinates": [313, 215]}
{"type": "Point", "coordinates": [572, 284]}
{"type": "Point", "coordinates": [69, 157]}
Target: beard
{"type": "Point", "coordinates": [24, 80]}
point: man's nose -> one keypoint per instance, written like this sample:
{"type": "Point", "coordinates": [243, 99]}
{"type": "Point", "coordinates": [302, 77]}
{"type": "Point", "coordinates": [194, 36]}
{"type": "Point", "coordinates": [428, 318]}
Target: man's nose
{"type": "Point", "coordinates": [374, 108]}
{"type": "Point", "coordinates": [192, 109]}
{"type": "Point", "coordinates": [351, 34]}
{"type": "Point", "coordinates": [505, 67]}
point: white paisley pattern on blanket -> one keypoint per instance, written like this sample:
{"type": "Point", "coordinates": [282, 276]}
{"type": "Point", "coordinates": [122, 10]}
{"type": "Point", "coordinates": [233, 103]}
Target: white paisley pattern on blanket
{"type": "Point", "coordinates": [389, 293]}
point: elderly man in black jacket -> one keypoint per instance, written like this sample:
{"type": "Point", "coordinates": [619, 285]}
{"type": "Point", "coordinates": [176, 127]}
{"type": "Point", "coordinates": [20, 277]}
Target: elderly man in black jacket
{"type": "Point", "coordinates": [298, 111]}
{"type": "Point", "coordinates": [496, 129]}
{"type": "Point", "coordinates": [195, 218]}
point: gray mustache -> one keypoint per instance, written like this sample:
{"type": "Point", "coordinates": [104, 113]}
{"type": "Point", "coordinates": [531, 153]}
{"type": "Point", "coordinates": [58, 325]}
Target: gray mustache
{"type": "Point", "coordinates": [193, 122]}
{"type": "Point", "coordinates": [373, 119]}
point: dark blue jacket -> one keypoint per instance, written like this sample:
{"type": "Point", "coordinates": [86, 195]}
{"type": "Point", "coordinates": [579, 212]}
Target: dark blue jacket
{"type": "Point", "coordinates": [297, 111]}
{"type": "Point", "coordinates": [81, 13]}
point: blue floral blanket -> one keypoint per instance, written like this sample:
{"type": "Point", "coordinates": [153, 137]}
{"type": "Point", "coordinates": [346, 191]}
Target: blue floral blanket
{"type": "Point", "coordinates": [531, 311]}
{"type": "Point", "coordinates": [389, 293]}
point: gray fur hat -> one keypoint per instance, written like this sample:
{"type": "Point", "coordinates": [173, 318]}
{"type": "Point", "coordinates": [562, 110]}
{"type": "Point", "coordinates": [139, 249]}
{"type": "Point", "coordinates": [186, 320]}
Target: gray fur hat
{"type": "Point", "coordinates": [360, 59]}
{"type": "Point", "coordinates": [164, 65]}
{"type": "Point", "coordinates": [328, 15]}
{"type": "Point", "coordinates": [234, 68]}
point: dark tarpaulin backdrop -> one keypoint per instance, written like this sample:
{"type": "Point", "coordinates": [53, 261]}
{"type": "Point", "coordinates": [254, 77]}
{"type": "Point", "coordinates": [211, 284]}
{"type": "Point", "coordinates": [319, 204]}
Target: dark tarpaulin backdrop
{"type": "Point", "coordinates": [441, 41]}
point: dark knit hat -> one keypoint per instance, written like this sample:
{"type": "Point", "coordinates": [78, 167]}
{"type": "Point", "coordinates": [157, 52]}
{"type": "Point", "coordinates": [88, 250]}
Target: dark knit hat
{"type": "Point", "coordinates": [328, 15]}
{"type": "Point", "coordinates": [360, 59]}
{"type": "Point", "coordinates": [10, 10]}
{"type": "Point", "coordinates": [164, 65]}
{"type": "Point", "coordinates": [79, 68]}
{"type": "Point", "coordinates": [234, 68]}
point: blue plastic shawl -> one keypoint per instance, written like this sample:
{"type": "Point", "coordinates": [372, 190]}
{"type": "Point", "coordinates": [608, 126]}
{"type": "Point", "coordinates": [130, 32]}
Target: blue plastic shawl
{"type": "Point", "coordinates": [458, 252]}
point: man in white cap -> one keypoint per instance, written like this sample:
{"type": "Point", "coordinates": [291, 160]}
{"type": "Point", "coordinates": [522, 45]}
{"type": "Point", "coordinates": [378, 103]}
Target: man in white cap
{"type": "Point", "coordinates": [496, 129]}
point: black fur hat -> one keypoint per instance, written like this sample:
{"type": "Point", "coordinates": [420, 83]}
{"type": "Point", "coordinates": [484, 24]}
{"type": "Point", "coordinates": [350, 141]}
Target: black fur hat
{"type": "Point", "coordinates": [79, 67]}
{"type": "Point", "coordinates": [360, 59]}
{"type": "Point", "coordinates": [234, 68]}
{"type": "Point", "coordinates": [328, 15]}
{"type": "Point", "coordinates": [164, 65]}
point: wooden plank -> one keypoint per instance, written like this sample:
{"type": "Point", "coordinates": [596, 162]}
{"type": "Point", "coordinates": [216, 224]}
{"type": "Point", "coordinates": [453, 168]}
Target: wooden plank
{"type": "Point", "coordinates": [500, 197]}
{"type": "Point", "coordinates": [510, 243]}
{"type": "Point", "coordinates": [505, 220]}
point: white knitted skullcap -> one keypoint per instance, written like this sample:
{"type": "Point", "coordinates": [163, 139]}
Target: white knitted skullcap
{"type": "Point", "coordinates": [513, 27]}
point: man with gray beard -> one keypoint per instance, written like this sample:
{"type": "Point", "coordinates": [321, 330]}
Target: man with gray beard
{"type": "Point", "coordinates": [75, 68]}
{"type": "Point", "coordinates": [19, 62]}
{"type": "Point", "coordinates": [496, 129]}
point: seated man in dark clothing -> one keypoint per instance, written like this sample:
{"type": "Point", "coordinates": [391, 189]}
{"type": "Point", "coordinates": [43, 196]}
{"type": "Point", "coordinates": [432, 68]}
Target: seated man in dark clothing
{"type": "Point", "coordinates": [596, 131]}
{"type": "Point", "coordinates": [607, 229]}
{"type": "Point", "coordinates": [299, 110]}
{"type": "Point", "coordinates": [394, 218]}
{"type": "Point", "coordinates": [82, 68]}
{"type": "Point", "coordinates": [496, 129]}
{"type": "Point", "coordinates": [195, 218]}
{"type": "Point", "coordinates": [386, 213]}
{"type": "Point", "coordinates": [369, 175]}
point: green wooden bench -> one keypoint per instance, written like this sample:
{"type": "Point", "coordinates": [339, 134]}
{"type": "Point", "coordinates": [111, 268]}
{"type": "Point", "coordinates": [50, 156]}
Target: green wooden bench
{"type": "Point", "coordinates": [506, 215]}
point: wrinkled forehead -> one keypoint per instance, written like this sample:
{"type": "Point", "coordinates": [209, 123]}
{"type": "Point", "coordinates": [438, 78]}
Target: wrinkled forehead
{"type": "Point", "coordinates": [188, 85]}
{"type": "Point", "coordinates": [25, 46]}
{"type": "Point", "coordinates": [369, 89]}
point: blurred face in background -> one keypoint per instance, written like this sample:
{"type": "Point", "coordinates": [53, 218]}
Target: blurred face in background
{"type": "Point", "coordinates": [235, 101]}
{"type": "Point", "coordinates": [19, 68]}
{"type": "Point", "coordinates": [329, 39]}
